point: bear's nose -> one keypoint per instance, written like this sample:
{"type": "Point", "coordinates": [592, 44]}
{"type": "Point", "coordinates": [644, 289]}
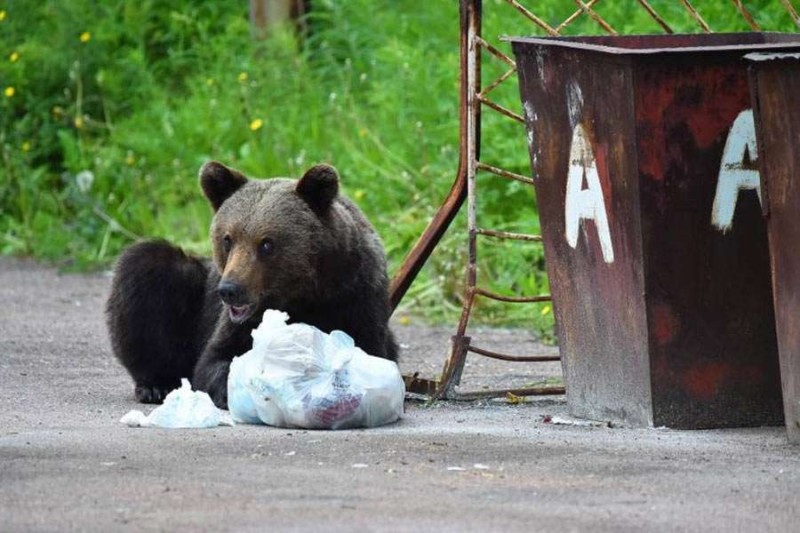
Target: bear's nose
{"type": "Point", "coordinates": [231, 292]}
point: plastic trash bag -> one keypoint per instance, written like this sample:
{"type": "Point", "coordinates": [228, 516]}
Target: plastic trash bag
{"type": "Point", "coordinates": [298, 376]}
{"type": "Point", "coordinates": [182, 408]}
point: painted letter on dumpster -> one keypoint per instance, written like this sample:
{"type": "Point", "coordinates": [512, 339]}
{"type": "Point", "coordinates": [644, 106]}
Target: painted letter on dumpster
{"type": "Point", "coordinates": [733, 176]}
{"type": "Point", "coordinates": [585, 204]}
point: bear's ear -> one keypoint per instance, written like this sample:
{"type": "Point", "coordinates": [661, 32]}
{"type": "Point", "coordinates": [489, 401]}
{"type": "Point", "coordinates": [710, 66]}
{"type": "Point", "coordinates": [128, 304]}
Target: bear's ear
{"type": "Point", "coordinates": [219, 182]}
{"type": "Point", "coordinates": [318, 187]}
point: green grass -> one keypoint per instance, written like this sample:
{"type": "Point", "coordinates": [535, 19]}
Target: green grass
{"type": "Point", "coordinates": [116, 104]}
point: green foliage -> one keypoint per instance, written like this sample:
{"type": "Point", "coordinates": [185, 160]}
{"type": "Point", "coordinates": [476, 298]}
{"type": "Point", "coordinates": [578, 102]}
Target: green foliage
{"type": "Point", "coordinates": [109, 108]}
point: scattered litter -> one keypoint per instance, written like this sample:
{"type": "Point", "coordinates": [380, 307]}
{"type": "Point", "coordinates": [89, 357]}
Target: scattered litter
{"type": "Point", "coordinates": [298, 376]}
{"type": "Point", "coordinates": [456, 469]}
{"type": "Point", "coordinates": [360, 465]}
{"type": "Point", "coordinates": [289, 454]}
{"type": "Point", "coordinates": [479, 466]}
{"type": "Point", "coordinates": [559, 421]}
{"type": "Point", "coordinates": [182, 408]}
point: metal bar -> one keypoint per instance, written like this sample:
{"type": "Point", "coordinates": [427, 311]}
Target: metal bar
{"type": "Point", "coordinates": [533, 18]}
{"type": "Point", "coordinates": [792, 11]}
{"type": "Point", "coordinates": [746, 14]}
{"type": "Point", "coordinates": [569, 20]}
{"type": "Point", "coordinates": [470, 142]}
{"type": "Point", "coordinates": [505, 173]}
{"type": "Point", "coordinates": [472, 154]}
{"type": "Point", "coordinates": [430, 388]}
{"type": "Point", "coordinates": [495, 52]}
{"type": "Point", "coordinates": [418, 385]}
{"type": "Point", "coordinates": [597, 18]}
{"type": "Point", "coordinates": [453, 367]}
{"type": "Point", "coordinates": [509, 235]}
{"type": "Point", "coordinates": [472, 99]}
{"type": "Point", "coordinates": [532, 391]}
{"type": "Point", "coordinates": [444, 216]}
{"type": "Point", "coordinates": [500, 109]}
{"type": "Point", "coordinates": [653, 13]}
{"type": "Point", "coordinates": [423, 248]}
{"type": "Point", "coordinates": [512, 299]}
{"type": "Point", "coordinates": [517, 358]}
{"type": "Point", "coordinates": [497, 82]}
{"type": "Point", "coordinates": [696, 16]}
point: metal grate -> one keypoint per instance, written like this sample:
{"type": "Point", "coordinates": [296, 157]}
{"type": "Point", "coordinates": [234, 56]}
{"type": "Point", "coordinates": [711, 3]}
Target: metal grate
{"type": "Point", "coordinates": [473, 97]}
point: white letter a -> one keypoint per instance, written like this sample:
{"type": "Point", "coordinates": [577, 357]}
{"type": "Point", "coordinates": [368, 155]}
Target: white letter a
{"type": "Point", "coordinates": [585, 203]}
{"type": "Point", "coordinates": [733, 177]}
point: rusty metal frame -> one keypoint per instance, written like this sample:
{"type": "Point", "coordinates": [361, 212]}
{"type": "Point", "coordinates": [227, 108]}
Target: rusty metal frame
{"type": "Point", "coordinates": [472, 98]}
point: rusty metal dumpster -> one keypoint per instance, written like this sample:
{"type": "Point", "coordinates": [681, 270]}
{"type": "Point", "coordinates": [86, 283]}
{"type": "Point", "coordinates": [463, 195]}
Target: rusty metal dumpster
{"type": "Point", "coordinates": [775, 84]}
{"type": "Point", "coordinates": [644, 160]}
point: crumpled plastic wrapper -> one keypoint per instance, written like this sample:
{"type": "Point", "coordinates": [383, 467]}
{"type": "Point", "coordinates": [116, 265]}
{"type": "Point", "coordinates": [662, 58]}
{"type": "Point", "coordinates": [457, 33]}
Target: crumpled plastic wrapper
{"type": "Point", "coordinates": [182, 408]}
{"type": "Point", "coordinates": [298, 376]}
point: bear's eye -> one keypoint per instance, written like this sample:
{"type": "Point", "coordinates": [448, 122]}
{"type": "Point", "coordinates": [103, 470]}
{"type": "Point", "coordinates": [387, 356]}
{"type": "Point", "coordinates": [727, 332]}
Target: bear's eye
{"type": "Point", "coordinates": [265, 247]}
{"type": "Point", "coordinates": [226, 243]}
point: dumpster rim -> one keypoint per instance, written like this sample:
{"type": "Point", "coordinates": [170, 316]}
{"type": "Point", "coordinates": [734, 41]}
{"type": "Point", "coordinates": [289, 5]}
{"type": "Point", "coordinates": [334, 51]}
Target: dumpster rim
{"type": "Point", "coordinates": [569, 42]}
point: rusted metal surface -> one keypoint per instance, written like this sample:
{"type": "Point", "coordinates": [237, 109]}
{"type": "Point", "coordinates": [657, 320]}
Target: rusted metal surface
{"type": "Point", "coordinates": [696, 15]}
{"type": "Point", "coordinates": [746, 15]}
{"type": "Point", "coordinates": [414, 261]}
{"type": "Point", "coordinates": [792, 11]}
{"type": "Point", "coordinates": [775, 85]}
{"type": "Point", "coordinates": [596, 17]}
{"type": "Point", "coordinates": [654, 14]}
{"type": "Point", "coordinates": [504, 357]}
{"type": "Point", "coordinates": [663, 306]}
{"type": "Point", "coordinates": [472, 98]}
{"type": "Point", "coordinates": [509, 235]}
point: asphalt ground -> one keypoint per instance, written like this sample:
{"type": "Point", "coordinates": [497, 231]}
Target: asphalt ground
{"type": "Point", "coordinates": [66, 463]}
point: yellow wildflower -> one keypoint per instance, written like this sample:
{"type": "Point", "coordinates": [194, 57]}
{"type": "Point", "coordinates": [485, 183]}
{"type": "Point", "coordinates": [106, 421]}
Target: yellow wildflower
{"type": "Point", "coordinates": [256, 124]}
{"type": "Point", "coordinates": [404, 320]}
{"type": "Point", "coordinates": [14, 57]}
{"type": "Point", "coordinates": [359, 194]}
{"type": "Point", "coordinates": [9, 92]}
{"type": "Point", "coordinates": [26, 146]}
{"type": "Point", "coordinates": [242, 77]}
{"type": "Point", "coordinates": [78, 122]}
{"type": "Point", "coordinates": [2, 15]}
{"type": "Point", "coordinates": [85, 37]}
{"type": "Point", "coordinates": [546, 310]}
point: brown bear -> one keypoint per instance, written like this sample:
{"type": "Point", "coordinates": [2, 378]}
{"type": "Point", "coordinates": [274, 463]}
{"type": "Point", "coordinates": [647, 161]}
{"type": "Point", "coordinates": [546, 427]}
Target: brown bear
{"type": "Point", "coordinates": [294, 245]}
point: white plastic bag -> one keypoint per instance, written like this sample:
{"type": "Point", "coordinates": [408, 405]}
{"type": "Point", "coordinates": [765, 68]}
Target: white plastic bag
{"type": "Point", "coordinates": [182, 408]}
{"type": "Point", "coordinates": [298, 376]}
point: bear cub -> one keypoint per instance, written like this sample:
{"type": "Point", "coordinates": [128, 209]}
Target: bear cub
{"type": "Point", "coordinates": [294, 245]}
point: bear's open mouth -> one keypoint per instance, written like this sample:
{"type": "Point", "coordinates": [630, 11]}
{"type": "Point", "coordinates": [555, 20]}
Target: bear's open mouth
{"type": "Point", "coordinates": [240, 313]}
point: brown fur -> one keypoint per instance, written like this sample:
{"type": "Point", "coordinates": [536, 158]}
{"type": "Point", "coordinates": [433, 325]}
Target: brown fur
{"type": "Point", "coordinates": [297, 246]}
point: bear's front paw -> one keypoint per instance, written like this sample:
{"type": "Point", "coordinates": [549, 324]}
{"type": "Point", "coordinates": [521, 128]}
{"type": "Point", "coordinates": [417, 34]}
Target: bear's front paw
{"type": "Point", "coordinates": [153, 393]}
{"type": "Point", "coordinates": [220, 396]}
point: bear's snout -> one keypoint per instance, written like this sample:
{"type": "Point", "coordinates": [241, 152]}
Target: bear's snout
{"type": "Point", "coordinates": [232, 293]}
{"type": "Point", "coordinates": [234, 296]}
